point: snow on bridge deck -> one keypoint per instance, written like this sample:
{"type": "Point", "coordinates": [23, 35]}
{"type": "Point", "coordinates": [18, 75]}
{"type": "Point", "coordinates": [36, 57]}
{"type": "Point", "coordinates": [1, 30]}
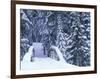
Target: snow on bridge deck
{"type": "Point", "coordinates": [44, 63]}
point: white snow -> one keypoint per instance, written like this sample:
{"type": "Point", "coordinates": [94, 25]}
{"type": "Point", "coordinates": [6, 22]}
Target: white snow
{"type": "Point", "coordinates": [44, 63]}
{"type": "Point", "coordinates": [41, 63]}
{"type": "Point", "coordinates": [82, 26]}
{"type": "Point", "coordinates": [24, 39]}
{"type": "Point", "coordinates": [84, 37]}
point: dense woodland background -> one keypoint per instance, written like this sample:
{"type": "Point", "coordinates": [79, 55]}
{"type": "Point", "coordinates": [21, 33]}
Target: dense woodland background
{"type": "Point", "coordinates": [68, 30]}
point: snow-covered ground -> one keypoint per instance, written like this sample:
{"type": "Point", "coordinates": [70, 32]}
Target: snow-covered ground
{"type": "Point", "coordinates": [42, 62]}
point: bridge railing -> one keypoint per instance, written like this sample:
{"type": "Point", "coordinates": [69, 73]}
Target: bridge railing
{"type": "Point", "coordinates": [55, 53]}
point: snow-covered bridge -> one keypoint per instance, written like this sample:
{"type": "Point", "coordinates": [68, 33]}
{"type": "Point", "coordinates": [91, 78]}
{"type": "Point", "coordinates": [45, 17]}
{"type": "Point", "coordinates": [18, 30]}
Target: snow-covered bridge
{"type": "Point", "coordinates": [42, 61]}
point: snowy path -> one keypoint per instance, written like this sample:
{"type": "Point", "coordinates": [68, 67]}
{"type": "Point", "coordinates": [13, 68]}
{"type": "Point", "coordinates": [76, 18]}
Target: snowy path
{"type": "Point", "coordinates": [39, 50]}
{"type": "Point", "coordinates": [42, 62]}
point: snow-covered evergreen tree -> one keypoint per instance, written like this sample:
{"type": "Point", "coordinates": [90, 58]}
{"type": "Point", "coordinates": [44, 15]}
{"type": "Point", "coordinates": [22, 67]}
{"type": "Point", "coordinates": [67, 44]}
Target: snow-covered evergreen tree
{"type": "Point", "coordinates": [60, 39]}
{"type": "Point", "coordinates": [78, 47]}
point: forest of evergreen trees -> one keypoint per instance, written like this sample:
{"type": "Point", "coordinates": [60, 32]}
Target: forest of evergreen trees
{"type": "Point", "coordinates": [68, 30]}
